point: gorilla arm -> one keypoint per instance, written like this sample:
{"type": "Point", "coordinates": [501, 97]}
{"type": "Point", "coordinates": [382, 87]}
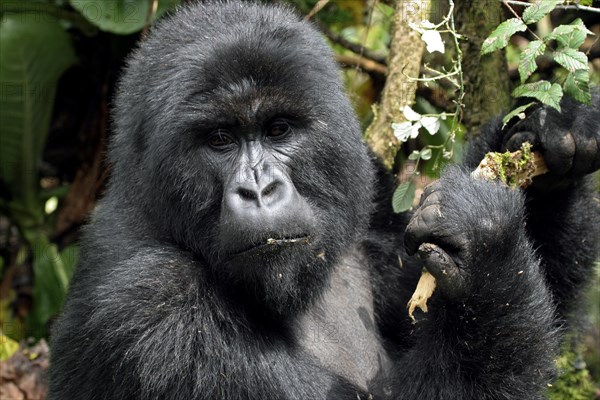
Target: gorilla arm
{"type": "Point", "coordinates": [563, 211]}
{"type": "Point", "coordinates": [489, 330]}
{"type": "Point", "coordinates": [153, 329]}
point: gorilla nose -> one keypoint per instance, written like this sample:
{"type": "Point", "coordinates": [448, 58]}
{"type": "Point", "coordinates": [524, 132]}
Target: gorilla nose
{"type": "Point", "coordinates": [260, 195]}
{"type": "Point", "coordinates": [252, 212]}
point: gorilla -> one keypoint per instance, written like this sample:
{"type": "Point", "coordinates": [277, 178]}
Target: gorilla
{"type": "Point", "coordinates": [246, 247]}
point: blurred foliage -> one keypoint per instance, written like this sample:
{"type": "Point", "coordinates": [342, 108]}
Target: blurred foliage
{"type": "Point", "coordinates": [29, 79]}
{"type": "Point", "coordinates": [574, 381]}
{"type": "Point", "coordinates": [38, 41]}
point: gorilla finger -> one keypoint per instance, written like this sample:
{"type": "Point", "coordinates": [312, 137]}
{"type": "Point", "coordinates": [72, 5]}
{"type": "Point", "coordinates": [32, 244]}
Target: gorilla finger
{"type": "Point", "coordinates": [421, 227]}
{"type": "Point", "coordinates": [451, 279]}
{"type": "Point", "coordinates": [585, 156]}
{"type": "Point", "coordinates": [559, 151]}
{"type": "Point", "coordinates": [431, 199]}
{"type": "Point", "coordinates": [429, 190]}
{"type": "Point", "coordinates": [515, 142]}
{"type": "Point", "coordinates": [535, 118]}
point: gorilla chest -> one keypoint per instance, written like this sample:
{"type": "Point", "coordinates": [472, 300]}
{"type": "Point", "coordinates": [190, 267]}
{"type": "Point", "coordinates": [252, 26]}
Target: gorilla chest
{"type": "Point", "coordinates": [340, 332]}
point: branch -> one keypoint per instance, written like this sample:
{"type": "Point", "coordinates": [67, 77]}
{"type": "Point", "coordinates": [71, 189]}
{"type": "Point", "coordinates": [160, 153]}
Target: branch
{"type": "Point", "coordinates": [318, 7]}
{"type": "Point", "coordinates": [561, 7]}
{"type": "Point", "coordinates": [406, 50]}
{"type": "Point", "coordinates": [365, 64]}
{"type": "Point", "coordinates": [353, 47]}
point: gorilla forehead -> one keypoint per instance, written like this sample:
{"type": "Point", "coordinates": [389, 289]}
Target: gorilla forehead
{"type": "Point", "coordinates": [207, 69]}
{"type": "Point", "coordinates": [271, 55]}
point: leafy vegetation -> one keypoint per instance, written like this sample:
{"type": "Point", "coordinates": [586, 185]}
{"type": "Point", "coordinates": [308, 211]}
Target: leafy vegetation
{"type": "Point", "coordinates": [562, 43]}
{"type": "Point", "coordinates": [38, 41]}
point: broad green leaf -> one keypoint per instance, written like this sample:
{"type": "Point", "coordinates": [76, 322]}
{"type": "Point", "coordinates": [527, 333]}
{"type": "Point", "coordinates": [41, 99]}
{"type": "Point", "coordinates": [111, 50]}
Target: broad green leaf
{"type": "Point", "coordinates": [52, 271]}
{"type": "Point", "coordinates": [571, 59]}
{"type": "Point", "coordinates": [544, 91]}
{"type": "Point", "coordinates": [499, 38]}
{"type": "Point", "coordinates": [517, 112]}
{"type": "Point", "coordinates": [527, 64]}
{"type": "Point", "coordinates": [34, 54]}
{"type": "Point", "coordinates": [120, 16]}
{"type": "Point", "coordinates": [577, 86]}
{"type": "Point", "coordinates": [539, 10]}
{"type": "Point", "coordinates": [571, 35]}
{"type": "Point", "coordinates": [403, 197]}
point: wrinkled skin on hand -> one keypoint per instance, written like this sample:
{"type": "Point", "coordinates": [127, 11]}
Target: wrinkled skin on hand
{"type": "Point", "coordinates": [464, 218]}
{"type": "Point", "coordinates": [569, 142]}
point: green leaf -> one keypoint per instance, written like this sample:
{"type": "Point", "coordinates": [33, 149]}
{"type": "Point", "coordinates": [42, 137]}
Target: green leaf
{"type": "Point", "coordinates": [415, 155]}
{"type": "Point", "coordinates": [539, 10]}
{"type": "Point", "coordinates": [571, 59]}
{"type": "Point", "coordinates": [51, 271]}
{"type": "Point", "coordinates": [120, 16]}
{"type": "Point", "coordinates": [8, 347]}
{"type": "Point", "coordinates": [527, 65]}
{"type": "Point", "coordinates": [34, 54]}
{"type": "Point", "coordinates": [499, 38]}
{"type": "Point", "coordinates": [426, 154]}
{"type": "Point", "coordinates": [571, 35]}
{"type": "Point", "coordinates": [577, 86]}
{"type": "Point", "coordinates": [516, 112]}
{"type": "Point", "coordinates": [403, 197]}
{"type": "Point", "coordinates": [544, 91]}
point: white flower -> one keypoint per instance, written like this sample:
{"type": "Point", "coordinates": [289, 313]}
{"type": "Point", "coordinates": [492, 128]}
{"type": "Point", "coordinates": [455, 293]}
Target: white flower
{"type": "Point", "coordinates": [432, 124]}
{"type": "Point", "coordinates": [410, 114]}
{"type": "Point", "coordinates": [433, 41]}
{"type": "Point", "coordinates": [406, 130]}
{"type": "Point", "coordinates": [410, 129]}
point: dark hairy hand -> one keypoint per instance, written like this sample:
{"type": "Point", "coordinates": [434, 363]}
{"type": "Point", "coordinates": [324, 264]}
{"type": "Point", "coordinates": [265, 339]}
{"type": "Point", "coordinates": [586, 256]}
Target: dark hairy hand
{"type": "Point", "coordinates": [459, 221]}
{"type": "Point", "coordinates": [569, 141]}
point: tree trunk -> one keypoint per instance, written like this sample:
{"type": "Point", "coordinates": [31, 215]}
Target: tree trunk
{"type": "Point", "coordinates": [406, 49]}
{"type": "Point", "coordinates": [487, 88]}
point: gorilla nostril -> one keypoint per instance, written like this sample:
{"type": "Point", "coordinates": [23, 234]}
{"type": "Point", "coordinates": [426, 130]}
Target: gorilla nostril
{"type": "Point", "coordinates": [269, 189]}
{"type": "Point", "coordinates": [247, 194]}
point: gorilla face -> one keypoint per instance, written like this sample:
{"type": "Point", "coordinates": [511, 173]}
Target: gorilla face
{"type": "Point", "coordinates": [242, 148]}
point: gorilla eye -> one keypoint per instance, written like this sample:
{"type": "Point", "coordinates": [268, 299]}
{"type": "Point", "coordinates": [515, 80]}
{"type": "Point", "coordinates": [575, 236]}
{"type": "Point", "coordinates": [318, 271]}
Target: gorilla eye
{"type": "Point", "coordinates": [220, 138]}
{"type": "Point", "coordinates": [278, 129]}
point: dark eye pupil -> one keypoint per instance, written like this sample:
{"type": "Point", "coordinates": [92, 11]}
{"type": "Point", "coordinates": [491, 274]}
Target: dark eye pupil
{"type": "Point", "coordinates": [279, 129]}
{"type": "Point", "coordinates": [220, 139]}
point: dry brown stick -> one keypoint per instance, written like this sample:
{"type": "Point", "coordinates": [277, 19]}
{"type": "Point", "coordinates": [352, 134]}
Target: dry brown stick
{"type": "Point", "coordinates": [516, 170]}
{"type": "Point", "coordinates": [363, 63]}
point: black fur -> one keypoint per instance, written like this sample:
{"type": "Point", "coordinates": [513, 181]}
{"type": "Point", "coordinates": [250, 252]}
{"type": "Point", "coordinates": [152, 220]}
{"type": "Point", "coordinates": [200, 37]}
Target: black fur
{"type": "Point", "coordinates": [177, 296]}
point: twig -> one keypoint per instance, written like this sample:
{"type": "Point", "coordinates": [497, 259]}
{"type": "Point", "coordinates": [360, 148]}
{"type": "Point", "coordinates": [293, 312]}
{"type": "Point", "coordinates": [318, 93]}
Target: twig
{"type": "Point", "coordinates": [363, 63]}
{"type": "Point", "coordinates": [561, 7]}
{"type": "Point", "coordinates": [318, 7]}
{"type": "Point", "coordinates": [506, 3]}
{"type": "Point", "coordinates": [353, 47]}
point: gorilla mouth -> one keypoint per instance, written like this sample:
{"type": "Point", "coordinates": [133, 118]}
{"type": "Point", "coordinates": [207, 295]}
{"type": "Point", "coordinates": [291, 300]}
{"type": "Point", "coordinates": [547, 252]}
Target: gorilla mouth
{"type": "Point", "coordinates": [273, 244]}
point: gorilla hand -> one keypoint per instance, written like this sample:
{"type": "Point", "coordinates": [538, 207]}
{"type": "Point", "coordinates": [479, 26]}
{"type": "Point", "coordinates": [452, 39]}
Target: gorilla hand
{"type": "Point", "coordinates": [460, 224]}
{"type": "Point", "coordinates": [569, 141]}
